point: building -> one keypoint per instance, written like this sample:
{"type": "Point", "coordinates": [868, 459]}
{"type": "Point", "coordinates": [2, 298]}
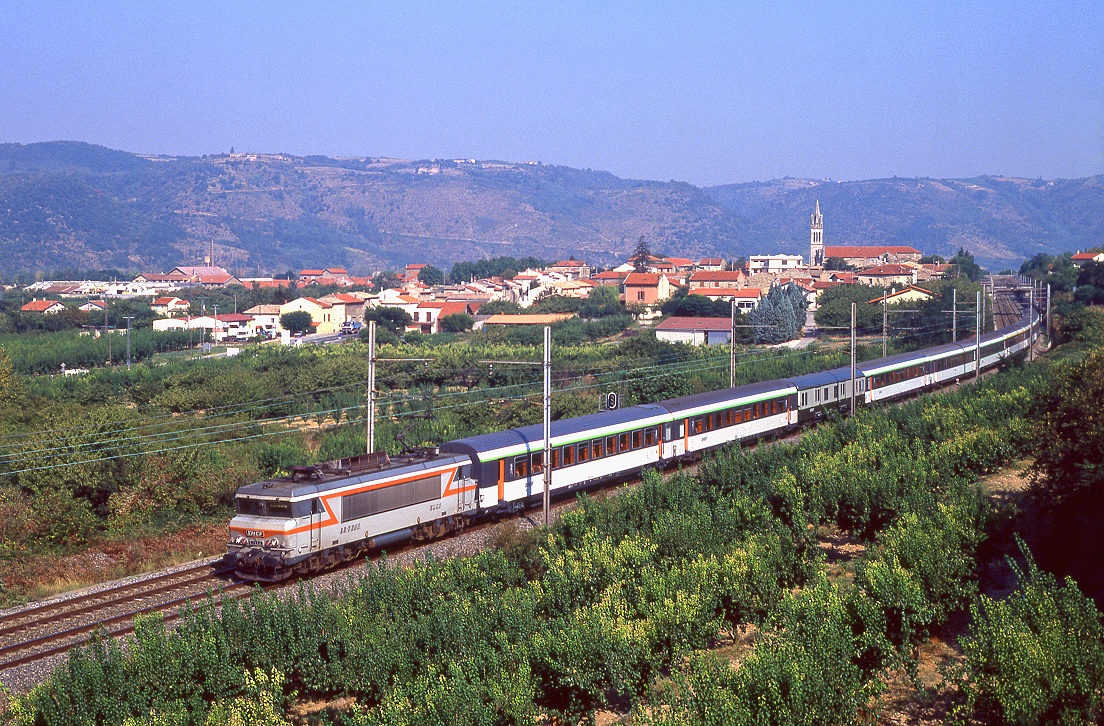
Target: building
{"type": "Point", "coordinates": [206, 276]}
{"type": "Point", "coordinates": [571, 269]}
{"type": "Point", "coordinates": [774, 264]}
{"type": "Point", "coordinates": [711, 264]}
{"type": "Point", "coordinates": [909, 293]}
{"type": "Point", "coordinates": [887, 275]}
{"type": "Point", "coordinates": [1083, 258]}
{"type": "Point", "coordinates": [93, 306]}
{"type": "Point", "coordinates": [46, 307]}
{"type": "Point", "coordinates": [869, 256]}
{"type": "Point", "coordinates": [610, 277]}
{"type": "Point", "coordinates": [747, 299]}
{"type": "Point", "coordinates": [324, 317]}
{"type": "Point", "coordinates": [536, 319]}
{"type": "Point", "coordinates": [427, 316]}
{"type": "Point", "coordinates": [816, 238]}
{"type": "Point", "coordinates": [354, 305]}
{"type": "Point", "coordinates": [233, 326]}
{"type": "Point", "coordinates": [646, 288]}
{"type": "Point", "coordinates": [732, 279]}
{"type": "Point", "coordinates": [170, 306]}
{"type": "Point", "coordinates": [695, 331]}
{"type": "Point", "coordinates": [266, 319]}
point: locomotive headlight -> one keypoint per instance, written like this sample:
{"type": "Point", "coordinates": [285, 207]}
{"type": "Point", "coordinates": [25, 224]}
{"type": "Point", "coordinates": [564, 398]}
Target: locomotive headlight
{"type": "Point", "coordinates": [272, 542]}
{"type": "Point", "coordinates": [240, 540]}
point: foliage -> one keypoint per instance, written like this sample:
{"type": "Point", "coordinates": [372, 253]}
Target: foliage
{"type": "Point", "coordinates": [430, 275]}
{"type": "Point", "coordinates": [641, 256]}
{"type": "Point", "coordinates": [297, 321]}
{"type": "Point", "coordinates": [1070, 432]}
{"type": "Point", "coordinates": [492, 267]}
{"type": "Point", "coordinates": [1090, 284]}
{"type": "Point", "coordinates": [457, 323]}
{"type": "Point", "coordinates": [837, 263]}
{"type": "Point", "coordinates": [963, 262]}
{"type": "Point", "coordinates": [783, 310]}
{"type": "Point", "coordinates": [1058, 271]}
{"type": "Point", "coordinates": [1036, 657]}
{"type": "Point", "coordinates": [47, 352]}
{"type": "Point", "coordinates": [602, 302]}
{"type": "Point", "coordinates": [393, 319]}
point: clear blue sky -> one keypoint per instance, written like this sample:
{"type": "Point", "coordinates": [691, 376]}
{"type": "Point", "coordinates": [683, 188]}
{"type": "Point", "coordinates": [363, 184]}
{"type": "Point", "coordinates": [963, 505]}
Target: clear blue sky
{"type": "Point", "coordinates": [703, 92]}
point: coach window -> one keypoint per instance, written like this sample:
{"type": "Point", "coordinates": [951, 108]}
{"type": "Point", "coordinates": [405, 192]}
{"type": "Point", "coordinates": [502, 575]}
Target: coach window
{"type": "Point", "coordinates": [584, 451]}
{"type": "Point", "coordinates": [696, 425]}
{"type": "Point", "coordinates": [597, 449]}
{"type": "Point", "coordinates": [637, 439]}
{"type": "Point", "coordinates": [650, 436]}
{"type": "Point", "coordinates": [538, 462]}
{"type": "Point", "coordinates": [611, 445]}
{"type": "Point", "coordinates": [623, 442]}
{"type": "Point", "coordinates": [521, 467]}
{"type": "Point", "coordinates": [555, 458]}
{"type": "Point", "coordinates": [568, 455]}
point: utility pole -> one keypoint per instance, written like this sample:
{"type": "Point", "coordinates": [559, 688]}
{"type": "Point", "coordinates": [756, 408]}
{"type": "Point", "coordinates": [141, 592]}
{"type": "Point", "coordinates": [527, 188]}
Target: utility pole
{"type": "Point", "coordinates": [885, 321]}
{"type": "Point", "coordinates": [216, 323]}
{"type": "Point", "coordinates": [1048, 316]}
{"type": "Point", "coordinates": [371, 386]}
{"type": "Point", "coordinates": [547, 422]}
{"type": "Point", "coordinates": [1030, 319]}
{"type": "Point", "coordinates": [732, 349]}
{"type": "Point", "coordinates": [852, 359]}
{"type": "Point", "coordinates": [128, 319]}
{"type": "Point", "coordinates": [954, 314]}
{"type": "Point", "coordinates": [977, 340]}
{"type": "Point", "coordinates": [106, 334]}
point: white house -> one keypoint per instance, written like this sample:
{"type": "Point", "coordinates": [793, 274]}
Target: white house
{"type": "Point", "coordinates": [774, 263]}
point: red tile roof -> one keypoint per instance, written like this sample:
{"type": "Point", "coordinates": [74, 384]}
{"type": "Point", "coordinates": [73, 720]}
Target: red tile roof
{"type": "Point", "coordinates": [642, 279]}
{"type": "Point", "coordinates": [886, 270]}
{"type": "Point", "coordinates": [751, 293]}
{"type": "Point", "coordinates": [311, 273]}
{"type": "Point", "coordinates": [39, 306]}
{"type": "Point", "coordinates": [685, 324]}
{"type": "Point", "coordinates": [717, 276]}
{"type": "Point", "coordinates": [570, 263]}
{"type": "Point", "coordinates": [317, 302]}
{"type": "Point", "coordinates": [868, 251]}
{"type": "Point", "coordinates": [233, 318]}
{"type": "Point", "coordinates": [711, 261]}
{"type": "Point", "coordinates": [1085, 256]}
{"type": "Point", "coordinates": [609, 275]}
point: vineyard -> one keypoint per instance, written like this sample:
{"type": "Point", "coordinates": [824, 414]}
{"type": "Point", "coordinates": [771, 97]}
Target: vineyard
{"type": "Point", "coordinates": [623, 604]}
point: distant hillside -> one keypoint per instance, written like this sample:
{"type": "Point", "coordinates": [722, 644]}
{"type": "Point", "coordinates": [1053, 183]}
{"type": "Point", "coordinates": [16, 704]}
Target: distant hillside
{"type": "Point", "coordinates": [66, 204]}
{"type": "Point", "coordinates": [1000, 220]}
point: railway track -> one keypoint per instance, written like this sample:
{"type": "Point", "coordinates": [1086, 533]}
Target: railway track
{"type": "Point", "coordinates": [50, 628]}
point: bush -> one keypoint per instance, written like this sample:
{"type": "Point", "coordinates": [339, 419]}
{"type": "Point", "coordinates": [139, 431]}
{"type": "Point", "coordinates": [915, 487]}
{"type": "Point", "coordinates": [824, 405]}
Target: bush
{"type": "Point", "coordinates": [1035, 658]}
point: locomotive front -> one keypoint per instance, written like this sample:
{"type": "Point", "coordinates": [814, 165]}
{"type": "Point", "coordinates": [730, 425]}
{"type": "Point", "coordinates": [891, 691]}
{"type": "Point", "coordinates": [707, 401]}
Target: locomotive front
{"type": "Point", "coordinates": [265, 540]}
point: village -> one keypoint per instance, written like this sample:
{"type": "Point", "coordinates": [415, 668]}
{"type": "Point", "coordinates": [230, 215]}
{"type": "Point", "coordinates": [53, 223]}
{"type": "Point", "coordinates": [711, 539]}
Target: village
{"type": "Point", "coordinates": [337, 301]}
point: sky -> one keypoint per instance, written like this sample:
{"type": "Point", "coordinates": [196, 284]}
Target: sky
{"type": "Point", "coordinates": [703, 92]}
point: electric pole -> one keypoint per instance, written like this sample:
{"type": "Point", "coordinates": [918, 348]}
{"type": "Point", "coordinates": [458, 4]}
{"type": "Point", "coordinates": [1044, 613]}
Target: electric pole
{"type": "Point", "coordinates": [106, 334]}
{"type": "Point", "coordinates": [977, 339]}
{"type": "Point", "coordinates": [732, 349]}
{"type": "Point", "coordinates": [128, 319]}
{"type": "Point", "coordinates": [954, 314]}
{"type": "Point", "coordinates": [547, 422]}
{"type": "Point", "coordinates": [371, 386]}
{"type": "Point", "coordinates": [1030, 319]}
{"type": "Point", "coordinates": [216, 325]}
{"type": "Point", "coordinates": [885, 321]}
{"type": "Point", "coordinates": [1048, 316]}
{"type": "Point", "coordinates": [852, 359]}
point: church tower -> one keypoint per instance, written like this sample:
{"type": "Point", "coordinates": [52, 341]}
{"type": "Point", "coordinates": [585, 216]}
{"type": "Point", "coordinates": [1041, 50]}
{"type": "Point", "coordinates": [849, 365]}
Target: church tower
{"type": "Point", "coordinates": [816, 238]}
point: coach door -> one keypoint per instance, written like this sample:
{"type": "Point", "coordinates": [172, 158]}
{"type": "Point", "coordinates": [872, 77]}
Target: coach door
{"type": "Point", "coordinates": [316, 525]}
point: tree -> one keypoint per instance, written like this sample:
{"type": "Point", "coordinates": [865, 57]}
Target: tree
{"type": "Point", "coordinates": [386, 279]}
{"type": "Point", "coordinates": [1057, 271]}
{"type": "Point", "coordinates": [1090, 284]}
{"type": "Point", "coordinates": [430, 275]}
{"type": "Point", "coordinates": [964, 264]}
{"type": "Point", "coordinates": [834, 307]}
{"type": "Point", "coordinates": [602, 302]}
{"type": "Point", "coordinates": [394, 319]}
{"type": "Point", "coordinates": [837, 263]}
{"type": "Point", "coordinates": [457, 323]}
{"type": "Point", "coordinates": [641, 255]}
{"type": "Point", "coordinates": [298, 321]}
{"type": "Point", "coordinates": [932, 260]}
{"type": "Point", "coordinates": [781, 312]}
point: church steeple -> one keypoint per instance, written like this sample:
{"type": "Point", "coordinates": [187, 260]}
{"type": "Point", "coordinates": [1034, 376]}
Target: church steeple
{"type": "Point", "coordinates": [816, 237]}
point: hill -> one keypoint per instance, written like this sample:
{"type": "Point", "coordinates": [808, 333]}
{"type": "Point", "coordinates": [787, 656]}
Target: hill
{"type": "Point", "coordinates": [69, 204]}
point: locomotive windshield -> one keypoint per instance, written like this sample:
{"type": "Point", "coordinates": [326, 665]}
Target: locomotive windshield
{"type": "Point", "coordinates": [264, 507]}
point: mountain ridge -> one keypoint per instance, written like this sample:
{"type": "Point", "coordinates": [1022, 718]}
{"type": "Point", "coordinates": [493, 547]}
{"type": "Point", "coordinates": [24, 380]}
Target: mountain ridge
{"type": "Point", "coordinates": [71, 204]}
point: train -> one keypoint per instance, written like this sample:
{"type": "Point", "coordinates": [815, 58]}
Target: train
{"type": "Point", "coordinates": [318, 516]}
